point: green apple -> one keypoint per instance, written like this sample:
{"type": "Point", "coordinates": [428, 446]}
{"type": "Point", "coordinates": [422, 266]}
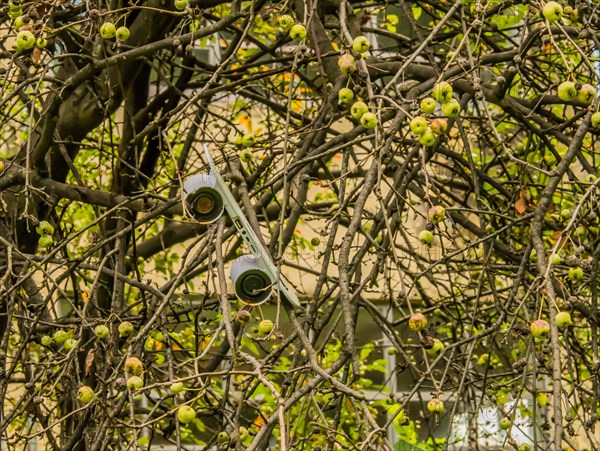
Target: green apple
{"type": "Point", "coordinates": [158, 335]}
{"type": "Point", "coordinates": [358, 109]}
{"type": "Point", "coordinates": [524, 447]}
{"type": "Point", "coordinates": [135, 383]}
{"type": "Point", "coordinates": [223, 437]}
{"type": "Point", "coordinates": [134, 366]}
{"type": "Point", "coordinates": [567, 91]}
{"type": "Point", "coordinates": [243, 433]}
{"type": "Point", "coordinates": [539, 328]}
{"type": "Point", "coordinates": [248, 140]}
{"type": "Point", "coordinates": [580, 231]}
{"type": "Point", "coordinates": [44, 228]}
{"type": "Point", "coordinates": [436, 214]}
{"type": "Point", "coordinates": [574, 15]}
{"type": "Point", "coordinates": [45, 241]}
{"type": "Point", "coordinates": [108, 30]}
{"type": "Point", "coordinates": [41, 42]}
{"type": "Point", "coordinates": [369, 120]}
{"type": "Point", "coordinates": [285, 22]}
{"type": "Point", "coordinates": [435, 406]}
{"type": "Point", "coordinates": [298, 32]}
{"type": "Point", "coordinates": [186, 414]}
{"type": "Point", "coordinates": [428, 138]}
{"type": "Point", "coordinates": [483, 359]}
{"type": "Point", "coordinates": [180, 5]}
{"type": "Point", "coordinates": [562, 319]}
{"type": "Point", "coordinates": [69, 344]}
{"type": "Point", "coordinates": [347, 64]}
{"type": "Point", "coordinates": [587, 93]}
{"type": "Point", "coordinates": [25, 40]}
{"type": "Point", "coordinates": [533, 256]}
{"type": "Point", "coordinates": [60, 336]}
{"type": "Point", "coordinates": [46, 340]}
{"type": "Point", "coordinates": [14, 11]}
{"type": "Point", "coordinates": [426, 237]}
{"type": "Point", "coordinates": [85, 394]}
{"type": "Point", "coordinates": [442, 92]}
{"type": "Point", "coordinates": [265, 326]}
{"type": "Point", "coordinates": [501, 398]}
{"type": "Point", "coordinates": [122, 34]}
{"type": "Point", "coordinates": [176, 387]}
{"type": "Point", "coordinates": [361, 44]}
{"type": "Point", "coordinates": [451, 108]}
{"type": "Point", "coordinates": [125, 329]}
{"type": "Point", "coordinates": [428, 105]}
{"type": "Point", "coordinates": [101, 331]}
{"type": "Point", "coordinates": [159, 358]}
{"type": "Point", "coordinates": [556, 260]}
{"type": "Point", "coordinates": [19, 22]}
{"type": "Point", "coordinates": [315, 241]}
{"type": "Point", "coordinates": [417, 322]}
{"type": "Point", "coordinates": [346, 95]}
{"type": "Point", "coordinates": [418, 125]}
{"type": "Point", "coordinates": [575, 274]}
{"type": "Point", "coordinates": [552, 11]}
{"type": "Point", "coordinates": [596, 120]}
{"type": "Point", "coordinates": [246, 155]}
{"type": "Point", "coordinates": [437, 347]}
{"type": "Point", "coordinates": [505, 423]}
{"type": "Point", "coordinates": [149, 344]}
{"type": "Point", "coordinates": [566, 213]}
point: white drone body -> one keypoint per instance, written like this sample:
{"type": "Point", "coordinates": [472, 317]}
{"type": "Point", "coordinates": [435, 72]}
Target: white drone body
{"type": "Point", "coordinates": [254, 276]}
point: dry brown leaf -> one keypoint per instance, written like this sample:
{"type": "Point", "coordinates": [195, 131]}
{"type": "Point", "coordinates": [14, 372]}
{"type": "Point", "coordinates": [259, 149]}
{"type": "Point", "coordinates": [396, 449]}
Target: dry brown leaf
{"type": "Point", "coordinates": [555, 236]}
{"type": "Point", "coordinates": [36, 55]}
{"type": "Point", "coordinates": [521, 203]}
{"type": "Point", "coordinates": [89, 360]}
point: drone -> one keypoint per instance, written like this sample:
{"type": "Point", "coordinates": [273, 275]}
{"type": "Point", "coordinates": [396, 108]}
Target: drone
{"type": "Point", "coordinates": [255, 277]}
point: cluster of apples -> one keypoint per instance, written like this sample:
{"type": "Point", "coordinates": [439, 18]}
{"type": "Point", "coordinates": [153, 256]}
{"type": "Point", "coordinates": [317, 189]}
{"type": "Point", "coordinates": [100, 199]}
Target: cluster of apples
{"type": "Point", "coordinates": [347, 64]}
{"type": "Point", "coordinates": [60, 337]}
{"type": "Point", "coordinates": [442, 93]}
{"type": "Point", "coordinates": [553, 11]}
{"type": "Point", "coordinates": [108, 30]}
{"type": "Point", "coordinates": [359, 110]}
{"type": "Point", "coordinates": [261, 330]}
{"type": "Point", "coordinates": [25, 37]}
{"type": "Point", "coordinates": [569, 90]}
{"type": "Point", "coordinates": [45, 230]}
{"type": "Point", "coordinates": [436, 214]}
{"type": "Point", "coordinates": [296, 31]}
{"type": "Point", "coordinates": [540, 328]}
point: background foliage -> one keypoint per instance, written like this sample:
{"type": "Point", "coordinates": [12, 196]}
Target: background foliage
{"type": "Point", "coordinates": [97, 136]}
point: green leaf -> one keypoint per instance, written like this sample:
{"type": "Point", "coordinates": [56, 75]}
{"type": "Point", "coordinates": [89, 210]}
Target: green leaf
{"type": "Point", "coordinates": [366, 351]}
{"type": "Point", "coordinates": [403, 445]}
{"type": "Point", "coordinates": [392, 18]}
{"type": "Point", "coordinates": [417, 11]}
